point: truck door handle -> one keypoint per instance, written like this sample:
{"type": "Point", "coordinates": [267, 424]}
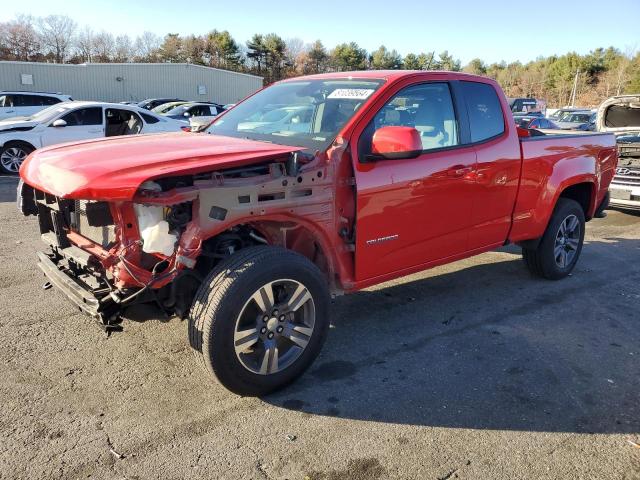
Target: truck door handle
{"type": "Point", "coordinates": [459, 171]}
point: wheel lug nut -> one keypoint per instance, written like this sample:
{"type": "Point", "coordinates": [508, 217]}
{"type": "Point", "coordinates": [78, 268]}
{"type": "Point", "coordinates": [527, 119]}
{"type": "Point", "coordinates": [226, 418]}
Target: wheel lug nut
{"type": "Point", "coordinates": [270, 335]}
{"type": "Point", "coordinates": [275, 313]}
{"type": "Point", "coordinates": [263, 330]}
{"type": "Point", "coordinates": [279, 329]}
{"type": "Point", "coordinates": [282, 317]}
{"type": "Point", "coordinates": [265, 319]}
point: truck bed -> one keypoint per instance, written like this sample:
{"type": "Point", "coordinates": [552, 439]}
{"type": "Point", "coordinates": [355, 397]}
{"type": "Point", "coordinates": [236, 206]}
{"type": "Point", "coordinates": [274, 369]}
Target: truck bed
{"type": "Point", "coordinates": [547, 160]}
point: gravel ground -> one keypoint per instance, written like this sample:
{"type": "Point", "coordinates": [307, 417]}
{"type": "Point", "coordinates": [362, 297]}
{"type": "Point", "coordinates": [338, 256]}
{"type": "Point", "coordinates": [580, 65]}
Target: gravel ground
{"type": "Point", "coordinates": [474, 370]}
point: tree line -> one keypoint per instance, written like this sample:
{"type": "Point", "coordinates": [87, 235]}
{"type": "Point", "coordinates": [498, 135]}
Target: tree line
{"type": "Point", "coordinates": [58, 39]}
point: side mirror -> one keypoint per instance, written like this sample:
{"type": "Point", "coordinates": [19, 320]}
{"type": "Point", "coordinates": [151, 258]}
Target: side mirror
{"type": "Point", "coordinates": [396, 143]}
{"type": "Point", "coordinates": [59, 123]}
{"type": "Point", "coordinates": [186, 114]}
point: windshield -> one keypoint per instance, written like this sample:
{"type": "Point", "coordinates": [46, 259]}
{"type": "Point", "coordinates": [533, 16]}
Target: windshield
{"type": "Point", "coordinates": [576, 117]}
{"type": "Point", "coordinates": [178, 110]}
{"type": "Point", "coordinates": [307, 113]}
{"type": "Point", "coordinates": [48, 113]}
{"type": "Point", "coordinates": [165, 107]}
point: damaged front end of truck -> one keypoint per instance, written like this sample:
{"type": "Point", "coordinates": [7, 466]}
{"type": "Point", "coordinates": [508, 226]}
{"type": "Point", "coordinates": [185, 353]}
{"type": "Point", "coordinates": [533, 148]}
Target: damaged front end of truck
{"type": "Point", "coordinates": [151, 234]}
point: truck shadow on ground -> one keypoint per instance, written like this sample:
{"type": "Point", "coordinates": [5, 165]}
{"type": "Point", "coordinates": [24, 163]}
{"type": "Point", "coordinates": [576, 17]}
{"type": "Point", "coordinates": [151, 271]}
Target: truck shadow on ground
{"type": "Point", "coordinates": [487, 347]}
{"type": "Point", "coordinates": [8, 185]}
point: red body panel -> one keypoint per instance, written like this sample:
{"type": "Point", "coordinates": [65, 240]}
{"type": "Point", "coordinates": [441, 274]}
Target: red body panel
{"type": "Point", "coordinates": [551, 165]}
{"type": "Point", "coordinates": [113, 168]}
{"type": "Point", "coordinates": [408, 214]}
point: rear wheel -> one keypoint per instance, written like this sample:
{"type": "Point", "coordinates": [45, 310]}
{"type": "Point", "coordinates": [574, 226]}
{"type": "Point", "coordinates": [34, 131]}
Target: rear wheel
{"type": "Point", "coordinates": [561, 245]}
{"type": "Point", "coordinates": [260, 319]}
{"type": "Point", "coordinates": [12, 155]}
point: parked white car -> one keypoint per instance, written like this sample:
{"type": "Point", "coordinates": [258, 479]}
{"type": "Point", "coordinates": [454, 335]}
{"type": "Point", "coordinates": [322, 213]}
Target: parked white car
{"type": "Point", "coordinates": [204, 111]}
{"type": "Point", "coordinates": [18, 104]}
{"type": "Point", "coordinates": [73, 121]}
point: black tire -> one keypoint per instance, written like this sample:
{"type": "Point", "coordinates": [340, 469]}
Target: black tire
{"type": "Point", "coordinates": [21, 148]}
{"type": "Point", "coordinates": [542, 261]}
{"type": "Point", "coordinates": [221, 299]}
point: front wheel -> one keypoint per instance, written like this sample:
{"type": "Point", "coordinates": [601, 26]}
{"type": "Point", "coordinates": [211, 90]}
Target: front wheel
{"type": "Point", "coordinates": [12, 156]}
{"type": "Point", "coordinates": [260, 318]}
{"type": "Point", "coordinates": [561, 245]}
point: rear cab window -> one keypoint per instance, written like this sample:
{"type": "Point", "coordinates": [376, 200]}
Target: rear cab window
{"type": "Point", "coordinates": [486, 119]}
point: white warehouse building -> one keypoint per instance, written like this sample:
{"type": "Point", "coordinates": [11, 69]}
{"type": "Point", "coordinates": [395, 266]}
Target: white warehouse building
{"type": "Point", "coordinates": [119, 82]}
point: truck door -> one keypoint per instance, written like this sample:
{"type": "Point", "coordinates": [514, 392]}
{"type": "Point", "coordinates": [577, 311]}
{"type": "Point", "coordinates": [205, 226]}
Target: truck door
{"type": "Point", "coordinates": [413, 211]}
{"type": "Point", "coordinates": [498, 153]}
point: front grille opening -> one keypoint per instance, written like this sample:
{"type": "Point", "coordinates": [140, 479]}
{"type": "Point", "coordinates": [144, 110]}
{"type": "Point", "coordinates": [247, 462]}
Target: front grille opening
{"type": "Point", "coordinates": [92, 221]}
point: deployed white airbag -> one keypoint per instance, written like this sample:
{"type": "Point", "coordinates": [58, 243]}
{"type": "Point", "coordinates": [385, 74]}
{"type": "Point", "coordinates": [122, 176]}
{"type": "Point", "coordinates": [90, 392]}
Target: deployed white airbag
{"type": "Point", "coordinates": [154, 230]}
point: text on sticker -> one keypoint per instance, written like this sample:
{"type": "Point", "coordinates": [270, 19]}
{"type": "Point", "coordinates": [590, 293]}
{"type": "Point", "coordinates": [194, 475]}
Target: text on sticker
{"type": "Point", "coordinates": [355, 93]}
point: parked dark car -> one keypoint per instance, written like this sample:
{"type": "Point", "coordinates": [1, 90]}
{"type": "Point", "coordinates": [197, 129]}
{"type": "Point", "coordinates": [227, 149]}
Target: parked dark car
{"type": "Point", "coordinates": [534, 122]}
{"type": "Point", "coordinates": [590, 126]}
{"type": "Point", "coordinates": [151, 103]}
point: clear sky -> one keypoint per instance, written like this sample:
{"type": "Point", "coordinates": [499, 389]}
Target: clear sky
{"type": "Point", "coordinates": [493, 30]}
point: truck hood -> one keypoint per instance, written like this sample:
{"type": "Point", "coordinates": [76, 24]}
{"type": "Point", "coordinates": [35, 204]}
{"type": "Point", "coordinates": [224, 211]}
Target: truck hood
{"type": "Point", "coordinates": [112, 169]}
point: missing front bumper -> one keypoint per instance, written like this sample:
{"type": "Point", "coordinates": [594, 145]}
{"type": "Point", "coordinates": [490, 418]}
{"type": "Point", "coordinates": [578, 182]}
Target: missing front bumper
{"type": "Point", "coordinates": [102, 310]}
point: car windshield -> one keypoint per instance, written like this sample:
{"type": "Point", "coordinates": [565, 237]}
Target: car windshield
{"type": "Point", "coordinates": [576, 118]}
{"type": "Point", "coordinates": [306, 113]}
{"type": "Point", "coordinates": [179, 110]}
{"type": "Point", "coordinates": [48, 113]}
{"type": "Point", "coordinates": [166, 107]}
{"type": "Point", "coordinates": [564, 117]}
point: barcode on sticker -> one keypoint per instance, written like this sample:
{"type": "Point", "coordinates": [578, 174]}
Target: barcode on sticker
{"type": "Point", "coordinates": [354, 93]}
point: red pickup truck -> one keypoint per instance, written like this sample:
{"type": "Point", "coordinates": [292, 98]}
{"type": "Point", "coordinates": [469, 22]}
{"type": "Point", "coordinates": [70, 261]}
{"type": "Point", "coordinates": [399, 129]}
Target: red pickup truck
{"type": "Point", "coordinates": [312, 187]}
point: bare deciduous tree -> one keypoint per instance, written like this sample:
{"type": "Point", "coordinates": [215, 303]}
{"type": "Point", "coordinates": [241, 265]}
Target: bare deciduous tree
{"type": "Point", "coordinates": [103, 47]}
{"type": "Point", "coordinates": [146, 47]}
{"type": "Point", "coordinates": [85, 44]}
{"type": "Point", "coordinates": [123, 51]}
{"type": "Point", "coordinates": [56, 33]}
{"type": "Point", "coordinates": [20, 40]}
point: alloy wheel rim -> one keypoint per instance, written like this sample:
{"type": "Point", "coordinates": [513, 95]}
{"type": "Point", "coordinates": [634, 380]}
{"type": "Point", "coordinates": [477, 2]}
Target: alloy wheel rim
{"type": "Point", "coordinates": [274, 327]}
{"type": "Point", "coordinates": [12, 158]}
{"type": "Point", "coordinates": [567, 241]}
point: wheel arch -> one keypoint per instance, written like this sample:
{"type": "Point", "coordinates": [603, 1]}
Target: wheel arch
{"type": "Point", "coordinates": [291, 233]}
{"type": "Point", "coordinates": [17, 141]}
{"type": "Point", "coordinates": [582, 192]}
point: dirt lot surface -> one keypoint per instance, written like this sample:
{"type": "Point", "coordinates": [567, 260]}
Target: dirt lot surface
{"type": "Point", "coordinates": [474, 371]}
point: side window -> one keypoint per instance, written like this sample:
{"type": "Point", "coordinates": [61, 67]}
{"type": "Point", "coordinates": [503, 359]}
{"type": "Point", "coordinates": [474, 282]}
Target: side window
{"type": "Point", "coordinates": [122, 122]}
{"type": "Point", "coordinates": [30, 101]}
{"type": "Point", "coordinates": [5, 101]}
{"type": "Point", "coordinates": [19, 101]}
{"type": "Point", "coordinates": [200, 111]}
{"type": "Point", "coordinates": [149, 118]}
{"type": "Point", "coordinates": [49, 100]}
{"type": "Point", "coordinates": [427, 107]}
{"type": "Point", "coordinates": [485, 113]}
{"type": "Point", "coordinates": [84, 116]}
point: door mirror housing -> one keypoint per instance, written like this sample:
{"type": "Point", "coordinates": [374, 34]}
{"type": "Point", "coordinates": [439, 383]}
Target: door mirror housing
{"type": "Point", "coordinates": [59, 123]}
{"type": "Point", "coordinates": [396, 143]}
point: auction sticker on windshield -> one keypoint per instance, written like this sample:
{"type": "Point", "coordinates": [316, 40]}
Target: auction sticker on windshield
{"type": "Point", "coordinates": [355, 93]}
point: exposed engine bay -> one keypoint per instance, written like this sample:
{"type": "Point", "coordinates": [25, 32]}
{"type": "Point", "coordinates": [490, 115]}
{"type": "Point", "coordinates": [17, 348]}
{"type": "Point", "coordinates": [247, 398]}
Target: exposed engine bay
{"type": "Point", "coordinates": [161, 246]}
